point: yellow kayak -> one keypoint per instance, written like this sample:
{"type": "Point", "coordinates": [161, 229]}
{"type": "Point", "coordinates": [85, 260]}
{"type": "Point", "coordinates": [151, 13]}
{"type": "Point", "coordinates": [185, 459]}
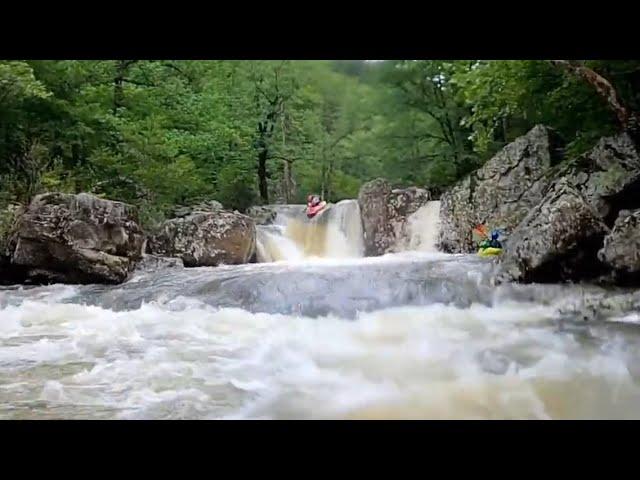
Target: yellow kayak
{"type": "Point", "coordinates": [489, 252]}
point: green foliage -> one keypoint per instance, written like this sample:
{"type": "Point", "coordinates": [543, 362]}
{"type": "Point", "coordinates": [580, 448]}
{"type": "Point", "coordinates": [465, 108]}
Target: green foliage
{"type": "Point", "coordinates": [507, 98]}
{"type": "Point", "coordinates": [18, 84]}
{"type": "Point", "coordinates": [236, 187]}
{"type": "Point", "coordinates": [160, 133]}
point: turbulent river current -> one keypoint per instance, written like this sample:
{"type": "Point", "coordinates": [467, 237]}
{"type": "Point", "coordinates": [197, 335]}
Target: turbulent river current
{"type": "Point", "coordinates": [317, 331]}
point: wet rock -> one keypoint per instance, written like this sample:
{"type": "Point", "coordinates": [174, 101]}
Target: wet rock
{"type": "Point", "coordinates": [262, 214]}
{"type": "Point", "coordinates": [600, 305]}
{"type": "Point", "coordinates": [494, 362]}
{"type": "Point", "coordinates": [501, 193]}
{"type": "Point", "coordinates": [77, 239]}
{"type": "Point", "coordinates": [206, 239]}
{"type": "Point", "coordinates": [384, 214]}
{"type": "Point", "coordinates": [621, 250]}
{"type": "Point", "coordinates": [556, 241]}
{"type": "Point", "coordinates": [155, 262]}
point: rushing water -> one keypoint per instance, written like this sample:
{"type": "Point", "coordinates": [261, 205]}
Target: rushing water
{"type": "Point", "coordinates": [408, 335]}
{"type": "Point", "coordinates": [334, 233]}
{"type": "Point", "coordinates": [404, 336]}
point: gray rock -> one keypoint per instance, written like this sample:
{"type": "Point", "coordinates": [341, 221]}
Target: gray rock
{"type": "Point", "coordinates": [77, 239]}
{"type": "Point", "coordinates": [373, 200]}
{"type": "Point", "coordinates": [621, 250]}
{"type": "Point", "coordinates": [9, 273]}
{"type": "Point", "coordinates": [384, 214]}
{"type": "Point", "coordinates": [202, 207]}
{"type": "Point", "coordinates": [262, 214]}
{"type": "Point", "coordinates": [206, 239]}
{"type": "Point", "coordinates": [402, 204]}
{"type": "Point", "coordinates": [501, 193]}
{"type": "Point", "coordinates": [599, 304]}
{"type": "Point", "coordinates": [9, 217]}
{"type": "Point", "coordinates": [557, 240]}
{"type": "Point", "coordinates": [608, 176]}
{"type": "Point", "coordinates": [155, 262]}
{"type": "Point", "coordinates": [494, 362]}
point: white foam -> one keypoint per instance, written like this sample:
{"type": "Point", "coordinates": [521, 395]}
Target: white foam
{"type": "Point", "coordinates": [335, 233]}
{"type": "Point", "coordinates": [409, 362]}
{"type": "Point", "coordinates": [422, 228]}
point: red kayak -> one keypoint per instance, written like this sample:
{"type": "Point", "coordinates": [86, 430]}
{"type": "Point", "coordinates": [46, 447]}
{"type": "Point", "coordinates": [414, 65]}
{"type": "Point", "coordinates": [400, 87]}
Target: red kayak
{"type": "Point", "coordinates": [312, 211]}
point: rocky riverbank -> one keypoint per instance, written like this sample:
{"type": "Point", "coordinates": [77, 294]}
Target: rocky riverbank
{"type": "Point", "coordinates": [565, 219]}
{"type": "Point", "coordinates": [64, 238]}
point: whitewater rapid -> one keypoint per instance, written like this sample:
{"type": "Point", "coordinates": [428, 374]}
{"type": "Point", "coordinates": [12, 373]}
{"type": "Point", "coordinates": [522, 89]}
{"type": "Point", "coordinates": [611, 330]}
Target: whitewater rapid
{"type": "Point", "coordinates": [401, 336]}
{"type": "Point", "coordinates": [316, 331]}
{"type": "Point", "coordinates": [335, 233]}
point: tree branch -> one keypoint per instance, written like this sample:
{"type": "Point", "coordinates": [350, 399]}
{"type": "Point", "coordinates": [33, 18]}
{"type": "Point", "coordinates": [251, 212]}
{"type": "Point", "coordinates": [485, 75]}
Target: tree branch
{"type": "Point", "coordinates": [602, 86]}
{"type": "Point", "coordinates": [264, 94]}
{"type": "Point", "coordinates": [179, 70]}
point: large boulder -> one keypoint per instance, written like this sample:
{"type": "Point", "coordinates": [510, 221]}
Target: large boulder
{"type": "Point", "coordinates": [384, 214]}
{"type": "Point", "coordinates": [77, 239]}
{"type": "Point", "coordinates": [608, 176]}
{"type": "Point", "coordinates": [202, 207]}
{"type": "Point", "coordinates": [621, 250]}
{"type": "Point", "coordinates": [501, 193]}
{"type": "Point", "coordinates": [9, 217]}
{"type": "Point", "coordinates": [206, 239]}
{"type": "Point", "coordinates": [373, 200]}
{"type": "Point", "coordinates": [557, 241]}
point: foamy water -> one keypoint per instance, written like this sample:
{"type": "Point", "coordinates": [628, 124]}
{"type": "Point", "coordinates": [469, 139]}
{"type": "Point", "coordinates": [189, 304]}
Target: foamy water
{"type": "Point", "coordinates": [423, 227]}
{"type": "Point", "coordinates": [336, 233]}
{"type": "Point", "coordinates": [318, 332]}
{"type": "Point", "coordinates": [183, 358]}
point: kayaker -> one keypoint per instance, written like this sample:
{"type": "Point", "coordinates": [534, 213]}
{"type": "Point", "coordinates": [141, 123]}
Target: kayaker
{"type": "Point", "coordinates": [489, 241]}
{"type": "Point", "coordinates": [314, 205]}
{"type": "Point", "coordinates": [313, 200]}
{"type": "Point", "coordinates": [494, 242]}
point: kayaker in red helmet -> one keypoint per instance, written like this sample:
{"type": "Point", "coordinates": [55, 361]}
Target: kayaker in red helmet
{"type": "Point", "coordinates": [314, 205]}
{"type": "Point", "coordinates": [313, 200]}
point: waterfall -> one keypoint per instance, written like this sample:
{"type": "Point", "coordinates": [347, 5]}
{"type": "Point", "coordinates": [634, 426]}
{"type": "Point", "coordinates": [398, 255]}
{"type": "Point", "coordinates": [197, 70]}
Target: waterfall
{"type": "Point", "coordinates": [422, 228]}
{"type": "Point", "coordinates": [335, 233]}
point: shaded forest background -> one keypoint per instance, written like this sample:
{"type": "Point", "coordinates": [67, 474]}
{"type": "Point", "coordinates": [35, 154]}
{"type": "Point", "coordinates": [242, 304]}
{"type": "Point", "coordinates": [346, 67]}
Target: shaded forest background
{"type": "Point", "coordinates": [161, 133]}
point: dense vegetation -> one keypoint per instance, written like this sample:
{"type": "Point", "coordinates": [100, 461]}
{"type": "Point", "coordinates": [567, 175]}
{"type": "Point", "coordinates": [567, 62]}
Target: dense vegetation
{"type": "Point", "coordinates": [163, 133]}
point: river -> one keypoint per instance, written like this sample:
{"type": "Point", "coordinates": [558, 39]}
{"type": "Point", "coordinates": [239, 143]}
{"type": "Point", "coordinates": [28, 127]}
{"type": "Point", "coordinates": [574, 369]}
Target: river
{"type": "Point", "coordinates": [316, 331]}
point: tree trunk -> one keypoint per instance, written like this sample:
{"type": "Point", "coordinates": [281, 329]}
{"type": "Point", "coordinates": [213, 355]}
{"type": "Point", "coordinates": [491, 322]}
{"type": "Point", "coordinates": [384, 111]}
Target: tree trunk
{"type": "Point", "coordinates": [286, 167]}
{"type": "Point", "coordinates": [262, 175]}
{"type": "Point", "coordinates": [118, 80]}
{"type": "Point", "coordinates": [284, 182]}
{"type": "Point", "coordinates": [289, 182]}
{"type": "Point", "coordinates": [323, 176]}
{"type": "Point", "coordinates": [504, 129]}
{"type": "Point", "coordinates": [76, 159]}
{"type": "Point", "coordinates": [329, 180]}
{"type": "Point", "coordinates": [627, 119]}
{"type": "Point", "coordinates": [122, 67]}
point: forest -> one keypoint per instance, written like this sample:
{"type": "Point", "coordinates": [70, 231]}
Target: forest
{"type": "Point", "coordinates": [160, 134]}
